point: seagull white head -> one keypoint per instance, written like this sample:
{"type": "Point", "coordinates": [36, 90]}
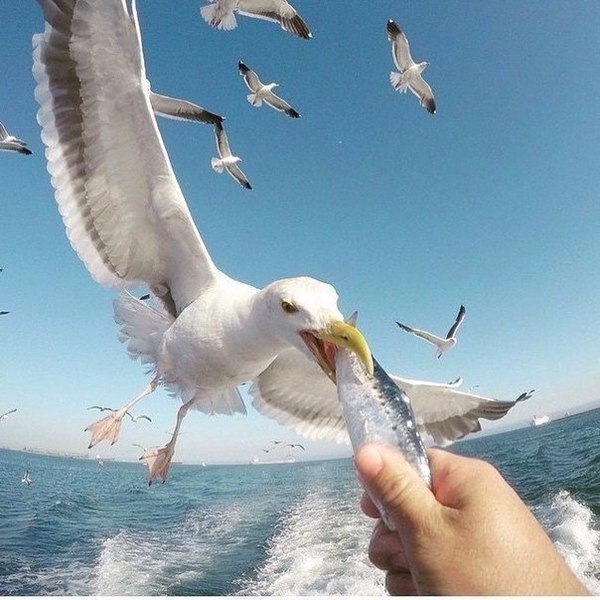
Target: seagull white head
{"type": "Point", "coordinates": [304, 311]}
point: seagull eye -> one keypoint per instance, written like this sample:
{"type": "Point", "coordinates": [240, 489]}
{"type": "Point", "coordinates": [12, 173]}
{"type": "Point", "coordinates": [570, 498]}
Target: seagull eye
{"type": "Point", "coordinates": [288, 307]}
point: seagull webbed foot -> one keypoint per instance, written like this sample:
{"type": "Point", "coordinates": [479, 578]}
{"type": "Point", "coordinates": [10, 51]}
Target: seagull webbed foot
{"type": "Point", "coordinates": [107, 429]}
{"type": "Point", "coordinates": [159, 461]}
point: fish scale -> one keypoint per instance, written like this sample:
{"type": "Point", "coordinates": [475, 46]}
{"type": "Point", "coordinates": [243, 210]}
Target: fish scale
{"type": "Point", "coordinates": [376, 410]}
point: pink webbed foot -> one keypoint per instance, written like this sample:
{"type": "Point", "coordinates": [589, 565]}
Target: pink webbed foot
{"type": "Point", "coordinates": [158, 461]}
{"type": "Point", "coordinates": [107, 429]}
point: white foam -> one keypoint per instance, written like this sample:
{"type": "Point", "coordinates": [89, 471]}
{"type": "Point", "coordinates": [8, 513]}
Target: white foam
{"type": "Point", "coordinates": [149, 563]}
{"type": "Point", "coordinates": [576, 534]}
{"type": "Point", "coordinates": [320, 548]}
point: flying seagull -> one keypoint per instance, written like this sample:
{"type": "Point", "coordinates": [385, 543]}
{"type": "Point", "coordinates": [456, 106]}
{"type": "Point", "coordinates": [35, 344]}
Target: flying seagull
{"type": "Point", "coordinates": [441, 411]}
{"type": "Point", "coordinates": [5, 415]}
{"type": "Point", "coordinates": [102, 408]}
{"type": "Point", "coordinates": [226, 160]}
{"type": "Point", "coordinates": [26, 479]}
{"type": "Point", "coordinates": [11, 143]}
{"type": "Point", "coordinates": [442, 344]}
{"type": "Point", "coordinates": [127, 219]}
{"type": "Point", "coordinates": [220, 14]}
{"type": "Point", "coordinates": [264, 92]}
{"type": "Point", "coordinates": [409, 77]}
{"type": "Point", "coordinates": [136, 418]}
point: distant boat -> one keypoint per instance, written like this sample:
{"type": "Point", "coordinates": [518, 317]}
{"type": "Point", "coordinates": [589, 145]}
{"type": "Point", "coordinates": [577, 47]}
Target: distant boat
{"type": "Point", "coordinates": [542, 420]}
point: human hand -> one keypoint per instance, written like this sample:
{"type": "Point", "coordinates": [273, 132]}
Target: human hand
{"type": "Point", "coordinates": [471, 535]}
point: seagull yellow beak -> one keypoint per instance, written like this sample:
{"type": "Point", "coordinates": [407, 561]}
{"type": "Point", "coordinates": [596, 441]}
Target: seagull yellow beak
{"type": "Point", "coordinates": [323, 345]}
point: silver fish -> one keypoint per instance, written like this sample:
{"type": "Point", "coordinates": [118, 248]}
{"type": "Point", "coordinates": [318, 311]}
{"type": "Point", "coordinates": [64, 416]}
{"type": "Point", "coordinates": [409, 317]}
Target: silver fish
{"type": "Point", "coordinates": [377, 410]}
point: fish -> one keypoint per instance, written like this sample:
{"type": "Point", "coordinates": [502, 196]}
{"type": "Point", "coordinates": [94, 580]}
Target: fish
{"type": "Point", "coordinates": [377, 410]}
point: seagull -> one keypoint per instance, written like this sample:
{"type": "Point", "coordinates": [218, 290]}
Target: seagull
{"type": "Point", "coordinates": [26, 479]}
{"type": "Point", "coordinates": [181, 110]}
{"type": "Point", "coordinates": [441, 411]}
{"type": "Point", "coordinates": [5, 415]}
{"type": "Point", "coordinates": [11, 143]}
{"type": "Point", "coordinates": [409, 77]}
{"type": "Point", "coordinates": [264, 92]}
{"type": "Point", "coordinates": [135, 418]}
{"type": "Point", "coordinates": [227, 161]}
{"type": "Point", "coordinates": [126, 217]}
{"type": "Point", "coordinates": [442, 344]}
{"type": "Point", "coordinates": [220, 14]}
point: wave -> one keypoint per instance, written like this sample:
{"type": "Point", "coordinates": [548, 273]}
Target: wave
{"type": "Point", "coordinates": [320, 548]}
{"type": "Point", "coordinates": [575, 532]}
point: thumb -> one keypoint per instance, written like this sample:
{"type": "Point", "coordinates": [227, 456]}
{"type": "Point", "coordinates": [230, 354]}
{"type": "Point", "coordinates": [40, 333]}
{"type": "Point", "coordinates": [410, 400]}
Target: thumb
{"type": "Point", "coordinates": [394, 485]}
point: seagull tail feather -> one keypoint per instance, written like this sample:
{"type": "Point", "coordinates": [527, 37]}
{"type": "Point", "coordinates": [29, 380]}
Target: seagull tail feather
{"type": "Point", "coordinates": [226, 22]}
{"type": "Point", "coordinates": [254, 100]}
{"type": "Point", "coordinates": [217, 164]}
{"type": "Point", "coordinates": [397, 81]}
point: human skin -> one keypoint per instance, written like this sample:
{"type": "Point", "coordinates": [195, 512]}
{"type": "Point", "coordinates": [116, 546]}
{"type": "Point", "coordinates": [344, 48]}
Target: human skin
{"type": "Point", "coordinates": [470, 535]}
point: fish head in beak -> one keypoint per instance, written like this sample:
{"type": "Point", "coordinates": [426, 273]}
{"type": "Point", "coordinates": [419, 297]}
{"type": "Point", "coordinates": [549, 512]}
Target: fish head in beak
{"type": "Point", "coordinates": [324, 343]}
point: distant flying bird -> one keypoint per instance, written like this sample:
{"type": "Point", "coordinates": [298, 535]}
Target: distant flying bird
{"type": "Point", "coordinates": [226, 160]}
{"type": "Point", "coordinates": [135, 418]}
{"type": "Point", "coordinates": [26, 479]}
{"type": "Point", "coordinates": [6, 414]}
{"type": "Point", "coordinates": [442, 344]}
{"type": "Point", "coordinates": [4, 312]}
{"type": "Point", "coordinates": [409, 76]}
{"type": "Point", "coordinates": [140, 446]}
{"type": "Point", "coordinates": [220, 14]}
{"type": "Point", "coordinates": [264, 92]}
{"type": "Point", "coordinates": [181, 110]}
{"type": "Point", "coordinates": [102, 408]}
{"type": "Point", "coordinates": [11, 143]}
{"type": "Point", "coordinates": [283, 445]}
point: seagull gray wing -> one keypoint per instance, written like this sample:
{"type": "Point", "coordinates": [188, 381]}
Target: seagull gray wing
{"type": "Point", "coordinates": [281, 392]}
{"type": "Point", "coordinates": [274, 101]}
{"type": "Point", "coordinates": [440, 410]}
{"type": "Point", "coordinates": [239, 176]}
{"type": "Point", "coordinates": [459, 319]}
{"type": "Point", "coordinates": [222, 142]}
{"type": "Point", "coordinates": [10, 412]}
{"type": "Point", "coordinates": [3, 133]}
{"type": "Point", "coordinates": [447, 414]}
{"type": "Point", "coordinates": [182, 110]}
{"type": "Point", "coordinates": [278, 11]}
{"type": "Point", "coordinates": [123, 209]}
{"type": "Point", "coordinates": [251, 79]}
{"type": "Point", "coordinates": [400, 47]}
{"type": "Point", "coordinates": [425, 335]}
{"type": "Point", "coordinates": [421, 89]}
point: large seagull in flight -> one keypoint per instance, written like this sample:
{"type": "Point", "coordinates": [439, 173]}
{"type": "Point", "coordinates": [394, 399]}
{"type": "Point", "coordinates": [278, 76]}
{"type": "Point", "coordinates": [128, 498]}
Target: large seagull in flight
{"type": "Point", "coordinates": [409, 76]}
{"type": "Point", "coordinates": [127, 219]}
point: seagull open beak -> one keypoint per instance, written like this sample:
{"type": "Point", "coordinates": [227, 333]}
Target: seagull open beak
{"type": "Point", "coordinates": [324, 344]}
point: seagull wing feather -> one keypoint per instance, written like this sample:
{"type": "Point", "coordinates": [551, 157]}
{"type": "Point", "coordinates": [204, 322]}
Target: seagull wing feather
{"type": "Point", "coordinates": [314, 411]}
{"type": "Point", "coordinates": [278, 11]}
{"type": "Point", "coordinates": [400, 47]}
{"type": "Point", "coordinates": [123, 209]}
{"type": "Point", "coordinates": [182, 110]}
{"type": "Point", "coordinates": [459, 319]}
{"type": "Point", "coordinates": [422, 90]}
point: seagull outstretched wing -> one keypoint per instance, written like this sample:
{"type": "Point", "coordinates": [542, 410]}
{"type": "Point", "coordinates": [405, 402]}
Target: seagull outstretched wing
{"type": "Point", "coordinates": [441, 411]}
{"type": "Point", "coordinates": [425, 335]}
{"type": "Point", "coordinates": [459, 319]}
{"type": "Point", "coordinates": [124, 212]}
{"type": "Point", "coordinates": [278, 11]}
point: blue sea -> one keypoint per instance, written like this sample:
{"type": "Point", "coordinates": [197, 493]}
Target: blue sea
{"type": "Point", "coordinates": [293, 529]}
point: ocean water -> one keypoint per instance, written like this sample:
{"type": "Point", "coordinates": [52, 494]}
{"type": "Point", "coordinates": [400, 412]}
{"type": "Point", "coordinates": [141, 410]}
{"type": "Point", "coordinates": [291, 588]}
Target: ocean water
{"type": "Point", "coordinates": [293, 529]}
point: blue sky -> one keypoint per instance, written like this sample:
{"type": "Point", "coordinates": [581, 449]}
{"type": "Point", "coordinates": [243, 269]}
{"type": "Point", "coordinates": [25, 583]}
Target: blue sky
{"type": "Point", "coordinates": [492, 202]}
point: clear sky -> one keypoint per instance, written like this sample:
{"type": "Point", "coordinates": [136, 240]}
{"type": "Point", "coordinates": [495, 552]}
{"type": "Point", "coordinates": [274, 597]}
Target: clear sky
{"type": "Point", "coordinates": [492, 202]}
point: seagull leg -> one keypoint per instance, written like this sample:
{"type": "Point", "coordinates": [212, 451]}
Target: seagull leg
{"type": "Point", "coordinates": [159, 460]}
{"type": "Point", "coordinates": [109, 428]}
